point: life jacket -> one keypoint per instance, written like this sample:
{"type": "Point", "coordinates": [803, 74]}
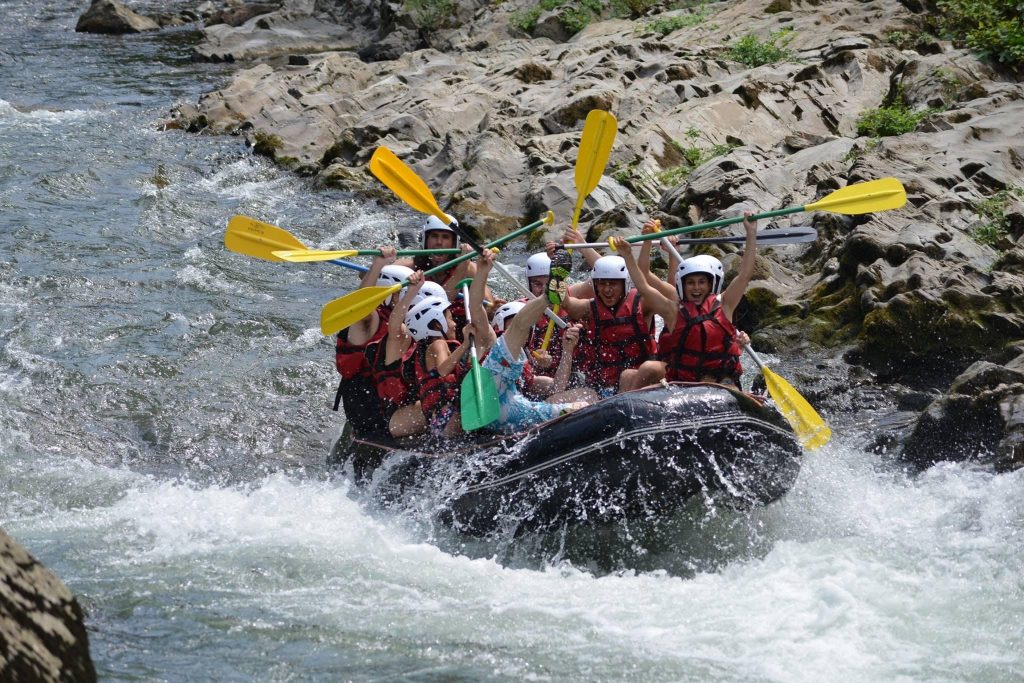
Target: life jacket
{"type": "Point", "coordinates": [435, 390]}
{"type": "Point", "coordinates": [349, 358]}
{"type": "Point", "coordinates": [614, 341]}
{"type": "Point", "coordinates": [395, 384]}
{"type": "Point", "coordinates": [458, 306]}
{"type": "Point", "coordinates": [702, 344]}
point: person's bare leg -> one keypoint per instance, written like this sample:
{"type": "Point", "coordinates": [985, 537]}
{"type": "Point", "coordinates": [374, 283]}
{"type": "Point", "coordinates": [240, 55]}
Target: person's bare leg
{"type": "Point", "coordinates": [577, 395]}
{"type": "Point", "coordinates": [650, 372]}
{"type": "Point", "coordinates": [407, 420]}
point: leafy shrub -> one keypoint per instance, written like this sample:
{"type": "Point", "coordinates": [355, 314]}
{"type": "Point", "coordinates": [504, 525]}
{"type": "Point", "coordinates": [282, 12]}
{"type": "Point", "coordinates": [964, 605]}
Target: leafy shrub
{"type": "Point", "coordinates": [992, 211]}
{"type": "Point", "coordinates": [992, 28]}
{"type": "Point", "coordinates": [525, 20]}
{"type": "Point", "coordinates": [693, 157]}
{"type": "Point", "coordinates": [901, 40]}
{"type": "Point", "coordinates": [754, 52]}
{"type": "Point", "coordinates": [632, 8]}
{"type": "Point", "coordinates": [667, 25]}
{"type": "Point", "coordinates": [892, 119]}
{"type": "Point", "coordinates": [429, 15]}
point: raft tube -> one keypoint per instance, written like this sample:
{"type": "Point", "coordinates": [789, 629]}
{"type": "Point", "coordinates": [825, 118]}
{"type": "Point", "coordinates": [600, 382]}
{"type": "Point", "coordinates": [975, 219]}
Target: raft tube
{"type": "Point", "coordinates": [632, 457]}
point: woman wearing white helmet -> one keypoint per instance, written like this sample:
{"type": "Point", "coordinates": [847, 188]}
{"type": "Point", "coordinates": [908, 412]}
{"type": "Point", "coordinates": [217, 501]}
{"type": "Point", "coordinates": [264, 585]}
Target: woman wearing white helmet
{"type": "Point", "coordinates": [618, 333]}
{"type": "Point", "coordinates": [436, 364]}
{"type": "Point", "coordinates": [505, 358]}
{"type": "Point", "coordinates": [699, 342]}
{"type": "Point", "coordinates": [538, 270]}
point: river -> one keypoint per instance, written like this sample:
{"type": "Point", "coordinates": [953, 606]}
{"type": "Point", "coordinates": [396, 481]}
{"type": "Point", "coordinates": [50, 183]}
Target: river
{"type": "Point", "coordinates": [164, 422]}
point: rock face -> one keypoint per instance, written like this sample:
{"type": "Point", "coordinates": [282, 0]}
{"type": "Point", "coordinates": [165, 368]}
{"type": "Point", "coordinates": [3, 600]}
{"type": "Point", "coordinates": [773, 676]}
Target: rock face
{"type": "Point", "coordinates": [981, 418]}
{"type": "Point", "coordinates": [491, 121]}
{"type": "Point", "coordinates": [42, 634]}
{"type": "Point", "coordinates": [110, 16]}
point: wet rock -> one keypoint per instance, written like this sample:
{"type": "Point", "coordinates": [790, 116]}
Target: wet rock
{"type": "Point", "coordinates": [110, 16]}
{"type": "Point", "coordinates": [42, 631]}
{"type": "Point", "coordinates": [980, 418]}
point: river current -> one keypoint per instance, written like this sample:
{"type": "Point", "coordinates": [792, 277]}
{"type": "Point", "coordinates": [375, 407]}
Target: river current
{"type": "Point", "coordinates": [164, 423]}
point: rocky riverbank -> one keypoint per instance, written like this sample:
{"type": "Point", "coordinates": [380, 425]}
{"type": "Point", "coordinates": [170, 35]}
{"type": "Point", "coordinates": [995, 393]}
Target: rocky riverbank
{"type": "Point", "coordinates": [42, 632]}
{"type": "Point", "coordinates": [721, 107]}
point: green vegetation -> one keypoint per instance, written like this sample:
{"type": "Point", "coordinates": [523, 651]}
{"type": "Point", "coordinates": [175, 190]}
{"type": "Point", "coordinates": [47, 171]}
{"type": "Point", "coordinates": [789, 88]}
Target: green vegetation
{"type": "Point", "coordinates": [992, 211]}
{"type": "Point", "coordinates": [992, 28]}
{"type": "Point", "coordinates": [575, 15]}
{"type": "Point", "coordinates": [667, 25]}
{"type": "Point", "coordinates": [693, 157]}
{"type": "Point", "coordinates": [753, 52]}
{"type": "Point", "coordinates": [266, 144]}
{"type": "Point", "coordinates": [901, 40]}
{"type": "Point", "coordinates": [894, 118]}
{"type": "Point", "coordinates": [429, 15]}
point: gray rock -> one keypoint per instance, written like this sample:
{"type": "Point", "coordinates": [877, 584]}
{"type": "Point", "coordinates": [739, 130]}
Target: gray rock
{"type": "Point", "coordinates": [42, 632]}
{"type": "Point", "coordinates": [110, 16]}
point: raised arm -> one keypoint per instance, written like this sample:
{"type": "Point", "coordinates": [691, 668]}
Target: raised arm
{"type": "Point", "coordinates": [654, 301]}
{"type": "Point", "coordinates": [481, 324]}
{"type": "Point", "coordinates": [361, 331]}
{"type": "Point", "coordinates": [518, 331]}
{"type": "Point", "coordinates": [734, 292]}
{"type": "Point", "coordinates": [569, 342]}
{"type": "Point", "coordinates": [398, 338]}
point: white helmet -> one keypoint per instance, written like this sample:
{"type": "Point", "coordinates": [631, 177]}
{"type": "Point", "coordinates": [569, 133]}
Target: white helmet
{"type": "Point", "coordinates": [419, 318]}
{"type": "Point", "coordinates": [434, 223]}
{"type": "Point", "coordinates": [505, 312]}
{"type": "Point", "coordinates": [392, 275]}
{"type": "Point", "coordinates": [611, 268]}
{"type": "Point", "coordinates": [430, 288]}
{"type": "Point", "coordinates": [704, 263]}
{"type": "Point", "coordinates": [538, 265]}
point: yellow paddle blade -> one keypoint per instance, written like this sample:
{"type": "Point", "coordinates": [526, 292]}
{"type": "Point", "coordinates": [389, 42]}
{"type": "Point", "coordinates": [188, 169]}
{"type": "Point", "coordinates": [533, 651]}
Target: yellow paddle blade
{"type": "Point", "coordinates": [810, 428]}
{"type": "Point", "coordinates": [310, 255]}
{"type": "Point", "coordinates": [595, 146]}
{"type": "Point", "coordinates": [875, 195]}
{"type": "Point", "coordinates": [353, 307]}
{"type": "Point", "coordinates": [251, 237]}
{"type": "Point", "coordinates": [404, 182]}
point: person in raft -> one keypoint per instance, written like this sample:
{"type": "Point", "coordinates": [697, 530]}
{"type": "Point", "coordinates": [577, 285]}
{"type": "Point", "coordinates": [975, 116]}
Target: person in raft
{"type": "Point", "coordinates": [506, 358]}
{"type": "Point", "coordinates": [699, 342]}
{"type": "Point", "coordinates": [437, 234]}
{"type": "Point", "coordinates": [618, 332]}
{"type": "Point", "coordinates": [356, 387]}
{"type": "Point", "coordinates": [437, 364]}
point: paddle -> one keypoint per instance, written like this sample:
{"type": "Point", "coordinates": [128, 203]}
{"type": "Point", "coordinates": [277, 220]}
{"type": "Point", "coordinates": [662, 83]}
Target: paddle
{"type": "Point", "coordinates": [595, 145]}
{"type": "Point", "coordinates": [411, 189]}
{"type": "Point", "coordinates": [765, 238]}
{"type": "Point", "coordinates": [810, 429]}
{"type": "Point", "coordinates": [346, 310]}
{"type": "Point", "coordinates": [310, 255]}
{"type": "Point", "coordinates": [478, 396]}
{"type": "Point", "coordinates": [255, 238]}
{"type": "Point", "coordinates": [867, 197]}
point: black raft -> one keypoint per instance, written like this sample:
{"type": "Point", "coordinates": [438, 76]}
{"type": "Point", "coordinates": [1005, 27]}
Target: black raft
{"type": "Point", "coordinates": [636, 456]}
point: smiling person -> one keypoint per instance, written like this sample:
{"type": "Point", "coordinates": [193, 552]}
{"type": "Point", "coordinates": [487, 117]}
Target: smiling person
{"type": "Point", "coordinates": [699, 342]}
{"type": "Point", "coordinates": [618, 334]}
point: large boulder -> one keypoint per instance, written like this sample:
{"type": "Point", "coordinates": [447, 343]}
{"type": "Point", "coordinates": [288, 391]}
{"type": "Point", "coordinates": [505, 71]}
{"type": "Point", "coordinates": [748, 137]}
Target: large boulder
{"type": "Point", "coordinates": [42, 633]}
{"type": "Point", "coordinates": [980, 418]}
{"type": "Point", "coordinates": [110, 16]}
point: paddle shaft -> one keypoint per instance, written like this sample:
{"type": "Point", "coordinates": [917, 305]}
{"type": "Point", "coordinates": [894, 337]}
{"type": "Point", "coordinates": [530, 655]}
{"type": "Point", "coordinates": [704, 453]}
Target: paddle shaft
{"type": "Point", "coordinates": [767, 237]}
{"type": "Point", "coordinates": [409, 252]}
{"type": "Point", "coordinates": [349, 264]}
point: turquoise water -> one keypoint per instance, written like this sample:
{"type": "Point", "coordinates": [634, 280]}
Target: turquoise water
{"type": "Point", "coordinates": [164, 420]}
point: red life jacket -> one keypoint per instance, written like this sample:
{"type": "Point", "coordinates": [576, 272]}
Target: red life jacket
{"type": "Point", "coordinates": [396, 383]}
{"type": "Point", "coordinates": [702, 344]}
{"type": "Point", "coordinates": [349, 358]}
{"type": "Point", "coordinates": [435, 390]}
{"type": "Point", "coordinates": [613, 341]}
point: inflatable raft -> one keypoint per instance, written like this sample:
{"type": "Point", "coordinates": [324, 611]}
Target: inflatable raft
{"type": "Point", "coordinates": [632, 457]}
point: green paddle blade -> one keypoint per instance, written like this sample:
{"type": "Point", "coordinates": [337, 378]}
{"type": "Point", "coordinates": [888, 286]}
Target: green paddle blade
{"type": "Point", "coordinates": [479, 398]}
{"type": "Point", "coordinates": [353, 307]}
{"type": "Point", "coordinates": [251, 237]}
